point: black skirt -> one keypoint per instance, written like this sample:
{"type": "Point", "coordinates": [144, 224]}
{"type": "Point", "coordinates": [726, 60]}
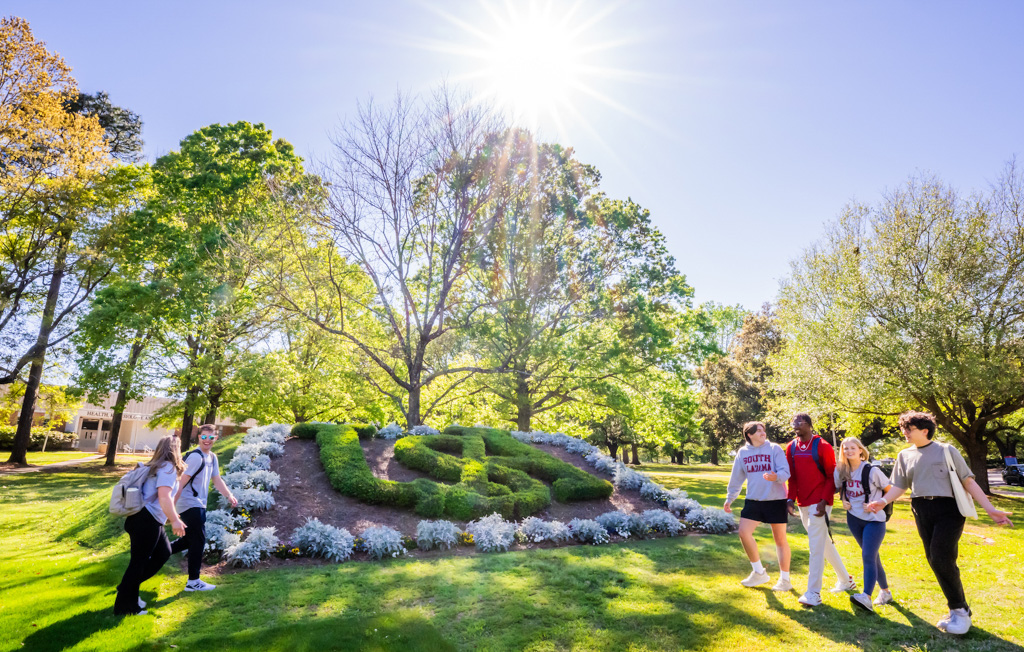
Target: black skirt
{"type": "Point", "coordinates": [765, 511]}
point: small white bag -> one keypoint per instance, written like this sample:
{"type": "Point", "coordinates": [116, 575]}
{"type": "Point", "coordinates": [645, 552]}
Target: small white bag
{"type": "Point", "coordinates": [964, 500]}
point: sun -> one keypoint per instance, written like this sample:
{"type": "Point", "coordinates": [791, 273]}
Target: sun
{"type": "Point", "coordinates": [539, 61]}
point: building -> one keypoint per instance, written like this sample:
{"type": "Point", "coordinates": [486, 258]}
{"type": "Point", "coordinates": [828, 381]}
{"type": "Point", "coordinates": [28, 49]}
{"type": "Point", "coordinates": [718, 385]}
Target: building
{"type": "Point", "coordinates": [93, 423]}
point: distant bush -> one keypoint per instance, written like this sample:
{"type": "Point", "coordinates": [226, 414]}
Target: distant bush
{"type": "Point", "coordinates": [251, 499]}
{"type": "Point", "coordinates": [492, 533]}
{"type": "Point", "coordinates": [275, 432]}
{"type": "Point", "coordinates": [623, 524]}
{"type": "Point", "coordinates": [38, 435]}
{"type": "Point", "coordinates": [382, 541]}
{"type": "Point", "coordinates": [258, 479]}
{"type": "Point", "coordinates": [391, 431]}
{"type": "Point", "coordinates": [537, 530]}
{"type": "Point", "coordinates": [421, 431]}
{"type": "Point", "coordinates": [260, 543]}
{"type": "Point", "coordinates": [437, 534]}
{"type": "Point", "coordinates": [711, 520]}
{"type": "Point", "coordinates": [658, 520]}
{"type": "Point", "coordinates": [586, 530]}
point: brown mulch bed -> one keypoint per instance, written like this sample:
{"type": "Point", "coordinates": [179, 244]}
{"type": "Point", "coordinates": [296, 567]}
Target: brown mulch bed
{"type": "Point", "coordinates": [305, 492]}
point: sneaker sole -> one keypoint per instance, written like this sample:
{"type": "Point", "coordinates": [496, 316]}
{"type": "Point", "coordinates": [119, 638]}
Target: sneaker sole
{"type": "Point", "coordinates": [857, 603]}
{"type": "Point", "coordinates": [188, 590]}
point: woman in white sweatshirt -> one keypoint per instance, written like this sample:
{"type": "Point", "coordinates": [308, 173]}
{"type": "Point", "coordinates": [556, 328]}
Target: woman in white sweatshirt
{"type": "Point", "coordinates": [763, 466]}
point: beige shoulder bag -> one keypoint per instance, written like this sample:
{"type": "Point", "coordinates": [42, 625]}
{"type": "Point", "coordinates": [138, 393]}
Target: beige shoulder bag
{"type": "Point", "coordinates": [964, 500]}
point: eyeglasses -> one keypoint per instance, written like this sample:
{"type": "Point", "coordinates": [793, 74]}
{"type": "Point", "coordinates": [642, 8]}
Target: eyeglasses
{"type": "Point", "coordinates": [207, 436]}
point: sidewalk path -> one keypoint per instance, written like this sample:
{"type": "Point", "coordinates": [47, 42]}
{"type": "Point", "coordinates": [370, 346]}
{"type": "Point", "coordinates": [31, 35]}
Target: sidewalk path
{"type": "Point", "coordinates": [50, 467]}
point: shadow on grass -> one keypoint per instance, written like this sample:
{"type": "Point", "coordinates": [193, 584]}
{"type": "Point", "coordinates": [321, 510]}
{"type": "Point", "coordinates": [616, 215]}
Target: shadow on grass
{"type": "Point", "coordinates": [72, 631]}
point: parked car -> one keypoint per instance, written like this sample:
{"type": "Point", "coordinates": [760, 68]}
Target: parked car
{"type": "Point", "coordinates": [1014, 474]}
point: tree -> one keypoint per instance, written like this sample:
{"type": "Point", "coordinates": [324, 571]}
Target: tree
{"type": "Point", "coordinates": [737, 388]}
{"type": "Point", "coordinates": [403, 209]}
{"type": "Point", "coordinates": [915, 302]}
{"type": "Point", "coordinates": [211, 197]}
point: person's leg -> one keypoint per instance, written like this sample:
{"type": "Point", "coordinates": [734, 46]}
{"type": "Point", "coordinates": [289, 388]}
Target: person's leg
{"type": "Point", "coordinates": [158, 557]}
{"type": "Point", "coordinates": [874, 532]}
{"type": "Point", "coordinates": [143, 532]}
{"type": "Point", "coordinates": [781, 545]}
{"type": "Point", "coordinates": [832, 555]}
{"type": "Point", "coordinates": [944, 550]}
{"type": "Point", "coordinates": [195, 532]}
{"type": "Point", "coordinates": [746, 531]}
{"type": "Point", "coordinates": [883, 581]}
{"type": "Point", "coordinates": [857, 530]}
{"type": "Point", "coordinates": [817, 534]}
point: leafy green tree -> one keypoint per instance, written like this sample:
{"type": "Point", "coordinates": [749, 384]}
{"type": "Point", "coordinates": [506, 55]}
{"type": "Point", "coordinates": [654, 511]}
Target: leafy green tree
{"type": "Point", "coordinates": [914, 302]}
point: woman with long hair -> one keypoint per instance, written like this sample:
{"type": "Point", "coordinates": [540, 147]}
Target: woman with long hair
{"type": "Point", "coordinates": [860, 483]}
{"type": "Point", "coordinates": [763, 466]}
{"type": "Point", "coordinates": [150, 548]}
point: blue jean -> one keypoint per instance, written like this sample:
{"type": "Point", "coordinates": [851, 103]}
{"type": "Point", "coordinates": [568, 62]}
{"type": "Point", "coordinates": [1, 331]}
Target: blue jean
{"type": "Point", "coordinates": [869, 536]}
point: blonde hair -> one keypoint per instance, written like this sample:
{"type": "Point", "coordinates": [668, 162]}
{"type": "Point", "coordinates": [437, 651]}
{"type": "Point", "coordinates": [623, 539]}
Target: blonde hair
{"type": "Point", "coordinates": [167, 451]}
{"type": "Point", "coordinates": [844, 464]}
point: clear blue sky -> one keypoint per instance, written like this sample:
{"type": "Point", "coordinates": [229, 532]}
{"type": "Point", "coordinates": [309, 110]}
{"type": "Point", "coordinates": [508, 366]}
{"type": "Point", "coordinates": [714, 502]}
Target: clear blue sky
{"type": "Point", "coordinates": [743, 127]}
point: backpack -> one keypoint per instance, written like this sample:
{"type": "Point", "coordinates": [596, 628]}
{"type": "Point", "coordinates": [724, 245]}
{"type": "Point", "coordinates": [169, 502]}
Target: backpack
{"type": "Point", "coordinates": [865, 481]}
{"type": "Point", "coordinates": [814, 454]}
{"type": "Point", "coordinates": [202, 463]}
{"type": "Point", "coordinates": [126, 498]}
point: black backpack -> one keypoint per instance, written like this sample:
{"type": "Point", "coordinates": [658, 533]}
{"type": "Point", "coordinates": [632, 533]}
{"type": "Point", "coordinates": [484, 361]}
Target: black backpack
{"type": "Point", "coordinates": [202, 463]}
{"type": "Point", "coordinates": [865, 481]}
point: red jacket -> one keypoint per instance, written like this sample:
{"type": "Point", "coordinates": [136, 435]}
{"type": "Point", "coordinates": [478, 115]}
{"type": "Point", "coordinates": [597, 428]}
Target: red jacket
{"type": "Point", "coordinates": [806, 484]}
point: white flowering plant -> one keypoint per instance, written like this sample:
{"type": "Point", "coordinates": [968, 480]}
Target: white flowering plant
{"type": "Point", "coordinates": [242, 463]}
{"type": "Point", "coordinates": [537, 530]}
{"type": "Point", "coordinates": [682, 506]}
{"type": "Point", "coordinates": [257, 479]}
{"type": "Point", "coordinates": [587, 530]}
{"type": "Point", "coordinates": [710, 520]}
{"type": "Point", "coordinates": [659, 520]}
{"type": "Point", "coordinates": [391, 431]}
{"type": "Point", "coordinates": [623, 524]}
{"type": "Point", "coordinates": [492, 533]}
{"type": "Point", "coordinates": [275, 432]}
{"type": "Point", "coordinates": [423, 431]}
{"type": "Point", "coordinates": [381, 541]}
{"type": "Point", "coordinates": [437, 534]}
{"type": "Point", "coordinates": [250, 499]}
{"type": "Point", "coordinates": [260, 543]}
{"type": "Point", "coordinates": [318, 539]}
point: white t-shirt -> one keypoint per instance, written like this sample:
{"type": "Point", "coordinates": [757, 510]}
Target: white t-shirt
{"type": "Point", "coordinates": [855, 492]}
{"type": "Point", "coordinates": [201, 485]}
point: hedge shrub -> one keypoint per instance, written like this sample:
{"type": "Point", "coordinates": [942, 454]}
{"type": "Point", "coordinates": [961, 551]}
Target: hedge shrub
{"type": "Point", "coordinates": [36, 437]}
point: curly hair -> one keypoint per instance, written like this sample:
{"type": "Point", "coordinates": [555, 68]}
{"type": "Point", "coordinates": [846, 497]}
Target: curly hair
{"type": "Point", "coordinates": [920, 420]}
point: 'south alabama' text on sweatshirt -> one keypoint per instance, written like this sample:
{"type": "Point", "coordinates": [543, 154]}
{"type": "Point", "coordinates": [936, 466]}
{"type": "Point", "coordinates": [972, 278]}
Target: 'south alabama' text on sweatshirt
{"type": "Point", "coordinates": [751, 464]}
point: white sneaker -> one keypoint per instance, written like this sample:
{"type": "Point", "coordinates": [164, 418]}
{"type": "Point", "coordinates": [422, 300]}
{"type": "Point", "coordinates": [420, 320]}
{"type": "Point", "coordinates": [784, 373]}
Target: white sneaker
{"type": "Point", "coordinates": [944, 622]}
{"type": "Point", "coordinates": [199, 585]}
{"type": "Point", "coordinates": [783, 585]}
{"type": "Point", "coordinates": [884, 597]}
{"type": "Point", "coordinates": [862, 600]}
{"type": "Point", "coordinates": [810, 599]}
{"type": "Point", "coordinates": [142, 603]}
{"type": "Point", "coordinates": [755, 579]}
{"type": "Point", "coordinates": [959, 622]}
{"type": "Point", "coordinates": [848, 585]}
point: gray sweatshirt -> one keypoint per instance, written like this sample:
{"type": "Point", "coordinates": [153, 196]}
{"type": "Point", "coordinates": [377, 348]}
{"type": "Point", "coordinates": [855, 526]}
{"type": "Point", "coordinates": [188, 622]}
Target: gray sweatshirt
{"type": "Point", "coordinates": [751, 464]}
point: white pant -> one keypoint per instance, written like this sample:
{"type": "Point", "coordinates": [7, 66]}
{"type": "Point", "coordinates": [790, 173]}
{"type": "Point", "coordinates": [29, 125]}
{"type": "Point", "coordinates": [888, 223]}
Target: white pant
{"type": "Point", "coordinates": [821, 547]}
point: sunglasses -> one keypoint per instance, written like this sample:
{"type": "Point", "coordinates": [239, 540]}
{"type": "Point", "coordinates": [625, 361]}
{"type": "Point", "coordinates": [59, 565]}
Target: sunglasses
{"type": "Point", "coordinates": [207, 436]}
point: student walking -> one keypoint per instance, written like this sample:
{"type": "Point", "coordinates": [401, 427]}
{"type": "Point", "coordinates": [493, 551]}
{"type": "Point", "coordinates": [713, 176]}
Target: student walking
{"type": "Point", "coordinates": [763, 466]}
{"type": "Point", "coordinates": [859, 484]}
{"type": "Point", "coordinates": [925, 469]}
{"type": "Point", "coordinates": [149, 545]}
{"type": "Point", "coordinates": [201, 466]}
{"type": "Point", "coordinates": [812, 466]}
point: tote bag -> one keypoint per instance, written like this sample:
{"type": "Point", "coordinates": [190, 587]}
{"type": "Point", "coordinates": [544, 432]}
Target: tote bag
{"type": "Point", "coordinates": [964, 501]}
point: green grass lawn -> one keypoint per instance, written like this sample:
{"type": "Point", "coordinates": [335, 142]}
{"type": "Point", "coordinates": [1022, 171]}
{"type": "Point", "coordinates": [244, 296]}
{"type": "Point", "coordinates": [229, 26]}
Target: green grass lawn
{"type": "Point", "coordinates": [62, 557]}
{"type": "Point", "coordinates": [38, 458]}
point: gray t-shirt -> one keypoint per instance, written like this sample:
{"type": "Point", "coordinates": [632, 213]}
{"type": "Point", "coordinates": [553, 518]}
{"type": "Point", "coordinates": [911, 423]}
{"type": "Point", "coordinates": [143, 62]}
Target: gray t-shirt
{"type": "Point", "coordinates": [855, 492]}
{"type": "Point", "coordinates": [923, 470]}
{"type": "Point", "coordinates": [165, 476]}
{"type": "Point", "coordinates": [751, 464]}
{"type": "Point", "coordinates": [201, 485]}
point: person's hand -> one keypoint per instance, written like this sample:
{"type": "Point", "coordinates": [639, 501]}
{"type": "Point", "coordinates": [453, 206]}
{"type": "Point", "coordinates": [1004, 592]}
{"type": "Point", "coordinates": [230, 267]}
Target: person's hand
{"type": "Point", "coordinates": [846, 505]}
{"type": "Point", "coordinates": [727, 508]}
{"type": "Point", "coordinates": [791, 507]}
{"type": "Point", "coordinates": [821, 508]}
{"type": "Point", "coordinates": [1000, 517]}
{"type": "Point", "coordinates": [178, 527]}
{"type": "Point", "coordinates": [875, 505]}
{"type": "Point", "coordinates": [771, 476]}
{"type": "Point", "coordinates": [233, 500]}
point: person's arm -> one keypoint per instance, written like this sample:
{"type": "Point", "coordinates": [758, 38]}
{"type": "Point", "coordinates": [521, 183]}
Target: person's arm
{"type": "Point", "coordinates": [780, 465]}
{"type": "Point", "coordinates": [890, 496]}
{"type": "Point", "coordinates": [222, 487]}
{"type": "Point", "coordinates": [736, 479]}
{"type": "Point", "coordinates": [997, 515]}
{"type": "Point", "coordinates": [177, 525]}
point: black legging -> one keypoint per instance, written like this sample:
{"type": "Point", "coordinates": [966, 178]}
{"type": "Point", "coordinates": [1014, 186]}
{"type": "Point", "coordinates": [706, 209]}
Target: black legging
{"type": "Point", "coordinates": [149, 550]}
{"type": "Point", "coordinates": [940, 525]}
{"type": "Point", "coordinates": [194, 540]}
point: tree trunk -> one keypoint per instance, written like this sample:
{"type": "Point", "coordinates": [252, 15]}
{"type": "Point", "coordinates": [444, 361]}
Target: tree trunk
{"type": "Point", "coordinates": [524, 406]}
{"type": "Point", "coordinates": [122, 393]}
{"type": "Point", "coordinates": [636, 456]}
{"type": "Point", "coordinates": [614, 450]}
{"type": "Point", "coordinates": [413, 415]}
{"type": "Point", "coordinates": [714, 456]}
{"type": "Point", "coordinates": [977, 459]}
{"type": "Point", "coordinates": [35, 374]}
{"type": "Point", "coordinates": [188, 418]}
{"type": "Point", "coordinates": [215, 395]}
{"type": "Point", "coordinates": [625, 455]}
